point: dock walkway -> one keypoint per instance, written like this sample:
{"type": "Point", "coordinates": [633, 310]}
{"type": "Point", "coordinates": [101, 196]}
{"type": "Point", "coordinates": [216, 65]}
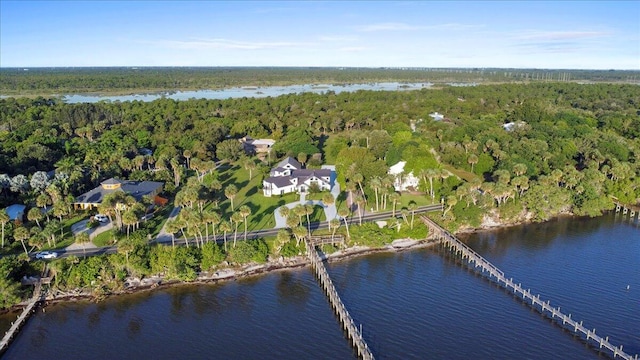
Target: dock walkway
{"type": "Point", "coordinates": [355, 334]}
{"type": "Point", "coordinates": [493, 273]}
{"type": "Point", "coordinates": [37, 296]}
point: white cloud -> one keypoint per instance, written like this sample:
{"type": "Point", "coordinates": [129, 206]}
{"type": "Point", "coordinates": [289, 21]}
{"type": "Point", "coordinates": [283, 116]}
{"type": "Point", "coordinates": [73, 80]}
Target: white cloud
{"type": "Point", "coordinates": [338, 38]}
{"type": "Point", "coordinates": [198, 44]}
{"type": "Point", "coordinates": [391, 26]}
{"type": "Point", "coordinates": [560, 35]}
{"type": "Point", "coordinates": [352, 48]}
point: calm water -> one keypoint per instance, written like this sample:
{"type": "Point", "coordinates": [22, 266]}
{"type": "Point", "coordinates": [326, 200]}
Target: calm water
{"type": "Point", "coordinates": [256, 92]}
{"type": "Point", "coordinates": [413, 305]}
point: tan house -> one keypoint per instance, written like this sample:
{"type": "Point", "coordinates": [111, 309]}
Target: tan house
{"type": "Point", "coordinates": [138, 189]}
{"type": "Point", "coordinates": [256, 146]}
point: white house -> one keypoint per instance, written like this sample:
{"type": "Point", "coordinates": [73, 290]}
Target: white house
{"type": "Point", "coordinates": [288, 176]}
{"type": "Point", "coordinates": [510, 126]}
{"type": "Point", "coordinates": [436, 116]}
{"type": "Point", "coordinates": [403, 181]}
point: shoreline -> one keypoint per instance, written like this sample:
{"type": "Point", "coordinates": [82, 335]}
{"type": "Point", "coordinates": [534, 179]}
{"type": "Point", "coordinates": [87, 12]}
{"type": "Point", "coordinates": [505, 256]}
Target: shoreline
{"type": "Point", "coordinates": [248, 270]}
{"type": "Point", "coordinates": [231, 273]}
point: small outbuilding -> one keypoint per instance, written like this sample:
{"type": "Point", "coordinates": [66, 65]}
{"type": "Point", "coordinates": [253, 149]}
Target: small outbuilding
{"type": "Point", "coordinates": [16, 212]}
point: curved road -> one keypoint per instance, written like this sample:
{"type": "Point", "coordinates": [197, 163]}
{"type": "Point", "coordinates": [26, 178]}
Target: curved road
{"type": "Point", "coordinates": [250, 235]}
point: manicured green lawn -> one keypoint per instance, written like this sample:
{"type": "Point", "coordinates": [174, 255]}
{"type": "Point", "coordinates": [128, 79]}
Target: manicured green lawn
{"type": "Point", "coordinates": [262, 207]}
{"type": "Point", "coordinates": [103, 239]}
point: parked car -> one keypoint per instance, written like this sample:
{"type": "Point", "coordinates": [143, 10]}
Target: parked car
{"type": "Point", "coordinates": [101, 218]}
{"type": "Point", "coordinates": [47, 255]}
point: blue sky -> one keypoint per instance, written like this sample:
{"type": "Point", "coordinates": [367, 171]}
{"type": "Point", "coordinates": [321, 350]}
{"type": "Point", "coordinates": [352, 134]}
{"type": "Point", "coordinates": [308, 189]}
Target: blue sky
{"type": "Point", "coordinates": [568, 35]}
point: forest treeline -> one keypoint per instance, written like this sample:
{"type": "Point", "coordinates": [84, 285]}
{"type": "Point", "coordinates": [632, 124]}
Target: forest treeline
{"type": "Point", "coordinates": [508, 152]}
{"type": "Point", "coordinates": [38, 81]}
{"type": "Point", "coordinates": [559, 127]}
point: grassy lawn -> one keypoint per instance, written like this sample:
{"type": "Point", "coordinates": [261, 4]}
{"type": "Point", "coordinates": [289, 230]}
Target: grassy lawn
{"type": "Point", "coordinates": [103, 239]}
{"type": "Point", "coordinates": [316, 196]}
{"type": "Point", "coordinates": [249, 194]}
{"type": "Point", "coordinates": [155, 224]}
{"type": "Point", "coordinates": [318, 214]}
{"type": "Point", "coordinates": [463, 174]}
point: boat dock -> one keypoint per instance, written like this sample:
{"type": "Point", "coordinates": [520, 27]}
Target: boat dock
{"type": "Point", "coordinates": [630, 210]}
{"type": "Point", "coordinates": [493, 273]}
{"type": "Point", "coordinates": [355, 333]}
{"type": "Point", "coordinates": [16, 325]}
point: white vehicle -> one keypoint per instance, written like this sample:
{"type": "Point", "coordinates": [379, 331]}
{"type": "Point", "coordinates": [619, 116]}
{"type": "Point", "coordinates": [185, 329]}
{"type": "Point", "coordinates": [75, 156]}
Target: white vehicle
{"type": "Point", "coordinates": [47, 255]}
{"type": "Point", "coordinates": [101, 218]}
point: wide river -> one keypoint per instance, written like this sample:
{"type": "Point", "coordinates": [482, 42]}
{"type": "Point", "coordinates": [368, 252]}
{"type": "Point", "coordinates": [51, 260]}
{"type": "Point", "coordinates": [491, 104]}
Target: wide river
{"type": "Point", "coordinates": [415, 304]}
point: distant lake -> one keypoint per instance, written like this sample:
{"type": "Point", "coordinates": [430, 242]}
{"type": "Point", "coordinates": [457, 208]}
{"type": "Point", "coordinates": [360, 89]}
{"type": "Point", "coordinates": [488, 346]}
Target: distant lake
{"type": "Point", "coordinates": [250, 92]}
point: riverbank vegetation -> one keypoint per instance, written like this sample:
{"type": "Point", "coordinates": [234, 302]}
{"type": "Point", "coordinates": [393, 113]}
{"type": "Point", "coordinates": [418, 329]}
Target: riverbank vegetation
{"type": "Point", "coordinates": [502, 154]}
{"type": "Point", "coordinates": [120, 80]}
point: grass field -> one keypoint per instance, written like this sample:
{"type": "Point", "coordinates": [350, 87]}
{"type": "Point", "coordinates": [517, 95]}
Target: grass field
{"type": "Point", "coordinates": [249, 194]}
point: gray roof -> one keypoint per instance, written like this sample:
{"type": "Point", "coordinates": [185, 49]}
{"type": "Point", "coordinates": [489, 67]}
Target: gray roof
{"type": "Point", "coordinates": [279, 181]}
{"type": "Point", "coordinates": [289, 161]}
{"type": "Point", "coordinates": [138, 189]}
{"type": "Point", "coordinates": [304, 174]}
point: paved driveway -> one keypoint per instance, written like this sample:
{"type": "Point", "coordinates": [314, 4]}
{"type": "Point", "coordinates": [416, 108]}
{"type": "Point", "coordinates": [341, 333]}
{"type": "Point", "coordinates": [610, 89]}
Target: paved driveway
{"type": "Point", "coordinates": [81, 226]}
{"type": "Point", "coordinates": [330, 212]}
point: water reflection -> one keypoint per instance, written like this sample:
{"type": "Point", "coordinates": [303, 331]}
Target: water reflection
{"type": "Point", "coordinates": [291, 289]}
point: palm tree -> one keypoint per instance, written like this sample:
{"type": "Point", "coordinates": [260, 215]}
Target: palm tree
{"type": "Point", "coordinates": [230, 192]}
{"type": "Point", "coordinates": [472, 160]}
{"type": "Point", "coordinates": [451, 201]}
{"type": "Point", "coordinates": [249, 165]}
{"type": "Point", "coordinates": [225, 227]}
{"type": "Point", "coordinates": [308, 210]}
{"type": "Point", "coordinates": [376, 183]}
{"type": "Point", "coordinates": [35, 214]}
{"type": "Point", "coordinates": [129, 218]}
{"type": "Point", "coordinates": [82, 238]}
{"type": "Point", "coordinates": [299, 211]}
{"type": "Point", "coordinates": [405, 215]}
{"type": "Point", "coordinates": [282, 238]}
{"type": "Point", "coordinates": [350, 187]}
{"type": "Point", "coordinates": [284, 211]}
{"type": "Point", "coordinates": [21, 234]}
{"type": "Point", "coordinates": [292, 222]}
{"type": "Point", "coordinates": [299, 232]}
{"type": "Point", "coordinates": [236, 218]}
{"type": "Point", "coordinates": [4, 219]}
{"type": "Point", "coordinates": [334, 224]}
{"type": "Point", "coordinates": [360, 202]}
{"type": "Point", "coordinates": [394, 196]}
{"type": "Point", "coordinates": [115, 202]}
{"type": "Point", "coordinates": [211, 217]}
{"type": "Point", "coordinates": [412, 208]}
{"type": "Point", "coordinates": [343, 213]}
{"type": "Point", "coordinates": [171, 227]}
{"type": "Point", "coordinates": [187, 155]}
{"type": "Point", "coordinates": [181, 224]}
{"type": "Point", "coordinates": [358, 178]}
{"type": "Point", "coordinates": [245, 211]}
{"type": "Point", "coordinates": [429, 174]}
{"type": "Point", "coordinates": [328, 199]}
{"type": "Point", "coordinates": [60, 209]}
{"type": "Point", "coordinates": [36, 239]}
{"type": "Point", "coordinates": [42, 201]}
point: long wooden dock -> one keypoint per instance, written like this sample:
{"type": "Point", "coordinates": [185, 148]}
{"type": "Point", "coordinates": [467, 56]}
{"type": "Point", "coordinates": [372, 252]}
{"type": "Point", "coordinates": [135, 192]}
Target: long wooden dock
{"type": "Point", "coordinates": [37, 296]}
{"type": "Point", "coordinates": [355, 334]}
{"type": "Point", "coordinates": [493, 273]}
